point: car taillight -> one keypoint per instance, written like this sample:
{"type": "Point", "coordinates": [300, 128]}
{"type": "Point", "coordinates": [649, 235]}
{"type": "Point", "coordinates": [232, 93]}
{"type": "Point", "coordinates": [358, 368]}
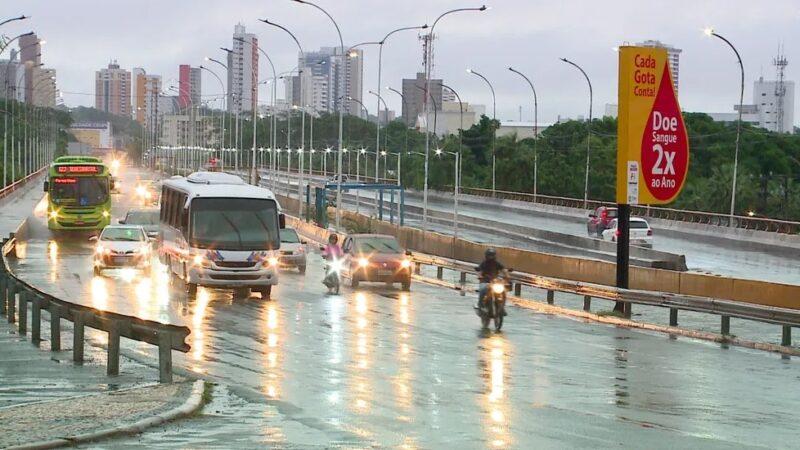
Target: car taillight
{"type": "Point", "coordinates": [650, 232]}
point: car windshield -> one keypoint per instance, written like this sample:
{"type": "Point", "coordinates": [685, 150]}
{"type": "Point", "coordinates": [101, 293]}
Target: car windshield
{"type": "Point", "coordinates": [142, 218]}
{"type": "Point", "coordinates": [124, 234]}
{"type": "Point", "coordinates": [234, 224]}
{"type": "Point", "coordinates": [377, 245]}
{"type": "Point", "coordinates": [79, 191]}
{"type": "Point", "coordinates": [289, 236]}
{"type": "Point", "coordinates": [639, 225]}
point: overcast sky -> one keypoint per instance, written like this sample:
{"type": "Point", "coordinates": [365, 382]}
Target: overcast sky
{"type": "Point", "coordinates": [83, 35]}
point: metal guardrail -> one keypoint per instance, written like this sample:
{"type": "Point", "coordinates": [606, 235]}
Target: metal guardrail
{"type": "Point", "coordinates": [787, 318]}
{"type": "Point", "coordinates": [699, 217]}
{"type": "Point", "coordinates": [16, 295]}
{"type": "Point", "coordinates": [4, 192]}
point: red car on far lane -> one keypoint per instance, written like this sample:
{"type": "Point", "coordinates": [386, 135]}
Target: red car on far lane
{"type": "Point", "coordinates": [599, 220]}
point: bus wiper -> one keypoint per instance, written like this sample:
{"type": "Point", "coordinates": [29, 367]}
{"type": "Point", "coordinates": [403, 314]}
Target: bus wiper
{"type": "Point", "coordinates": [238, 234]}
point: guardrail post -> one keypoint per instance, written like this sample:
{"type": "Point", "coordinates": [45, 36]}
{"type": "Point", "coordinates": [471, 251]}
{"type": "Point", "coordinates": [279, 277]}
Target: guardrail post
{"type": "Point", "coordinates": [11, 302]}
{"type": "Point", "coordinates": [628, 312]}
{"type": "Point", "coordinates": [112, 368]}
{"type": "Point", "coordinates": [164, 357]}
{"type": "Point", "coordinates": [786, 336]}
{"type": "Point", "coordinates": [726, 325]}
{"type": "Point", "coordinates": [587, 302]}
{"type": "Point", "coordinates": [23, 313]}
{"type": "Point", "coordinates": [77, 337]}
{"type": "Point", "coordinates": [517, 289]}
{"type": "Point", "coordinates": [439, 272]}
{"type": "Point", "coordinates": [55, 327]}
{"type": "Point", "coordinates": [3, 284]}
{"type": "Point", "coordinates": [673, 317]}
{"type": "Point", "coordinates": [551, 297]}
{"type": "Point", "coordinates": [463, 280]}
{"type": "Point", "coordinates": [417, 268]}
{"type": "Point", "coordinates": [36, 320]}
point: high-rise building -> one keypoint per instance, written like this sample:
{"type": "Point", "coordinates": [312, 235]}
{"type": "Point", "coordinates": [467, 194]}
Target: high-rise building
{"type": "Point", "coordinates": [12, 75]}
{"type": "Point", "coordinates": [414, 95]}
{"type": "Point", "coordinates": [775, 104]}
{"type": "Point", "coordinates": [189, 85]}
{"type": "Point", "coordinates": [328, 78]}
{"type": "Point", "coordinates": [243, 71]}
{"type": "Point", "coordinates": [44, 84]}
{"type": "Point", "coordinates": [30, 57]}
{"type": "Point", "coordinates": [112, 92]}
{"type": "Point", "coordinates": [137, 94]}
{"type": "Point", "coordinates": [151, 88]}
{"type": "Point", "coordinates": [673, 55]}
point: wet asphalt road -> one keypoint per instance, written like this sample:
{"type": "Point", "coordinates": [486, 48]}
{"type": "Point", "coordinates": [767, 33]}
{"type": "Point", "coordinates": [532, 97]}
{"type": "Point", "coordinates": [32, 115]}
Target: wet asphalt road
{"type": "Point", "coordinates": [377, 367]}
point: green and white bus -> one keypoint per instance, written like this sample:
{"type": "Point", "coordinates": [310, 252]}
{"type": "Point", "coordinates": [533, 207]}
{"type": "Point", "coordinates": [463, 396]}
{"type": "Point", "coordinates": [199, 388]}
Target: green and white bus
{"type": "Point", "coordinates": [79, 197]}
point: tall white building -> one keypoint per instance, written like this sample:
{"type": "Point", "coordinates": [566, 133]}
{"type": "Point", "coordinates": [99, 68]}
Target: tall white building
{"type": "Point", "coordinates": [328, 78]}
{"type": "Point", "coordinates": [243, 71]}
{"type": "Point", "coordinates": [775, 114]}
{"type": "Point", "coordinates": [673, 55]}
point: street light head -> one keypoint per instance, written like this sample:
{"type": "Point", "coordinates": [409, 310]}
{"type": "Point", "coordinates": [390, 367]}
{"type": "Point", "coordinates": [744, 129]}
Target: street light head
{"type": "Point", "coordinates": [564, 59]}
{"type": "Point", "coordinates": [438, 151]}
{"type": "Point", "coordinates": [383, 152]}
{"type": "Point", "coordinates": [344, 150]}
{"type": "Point", "coordinates": [424, 27]}
{"type": "Point", "coordinates": [484, 8]}
{"type": "Point", "coordinates": [29, 33]}
{"type": "Point", "coordinates": [207, 58]}
{"type": "Point", "coordinates": [42, 42]}
{"type": "Point", "coordinates": [469, 70]}
{"type": "Point", "coordinates": [328, 150]}
{"type": "Point", "coordinates": [363, 150]}
{"type": "Point", "coordinates": [708, 31]}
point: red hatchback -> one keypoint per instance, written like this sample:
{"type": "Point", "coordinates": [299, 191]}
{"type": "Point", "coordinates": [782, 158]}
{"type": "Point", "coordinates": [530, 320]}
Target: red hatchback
{"type": "Point", "coordinates": [377, 258]}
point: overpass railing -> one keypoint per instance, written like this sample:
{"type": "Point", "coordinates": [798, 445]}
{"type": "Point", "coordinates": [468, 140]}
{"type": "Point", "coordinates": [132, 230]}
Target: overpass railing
{"type": "Point", "coordinates": [6, 191]}
{"type": "Point", "coordinates": [16, 294]}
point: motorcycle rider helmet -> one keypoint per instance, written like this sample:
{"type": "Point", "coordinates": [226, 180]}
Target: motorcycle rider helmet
{"type": "Point", "coordinates": [333, 239]}
{"type": "Point", "coordinates": [491, 254]}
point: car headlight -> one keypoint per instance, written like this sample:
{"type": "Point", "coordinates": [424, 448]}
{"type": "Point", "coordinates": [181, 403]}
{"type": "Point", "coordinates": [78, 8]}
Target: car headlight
{"type": "Point", "coordinates": [99, 249]}
{"type": "Point", "coordinates": [363, 262]}
{"type": "Point", "coordinates": [140, 191]}
{"type": "Point", "coordinates": [498, 288]}
{"type": "Point", "coordinates": [199, 260]}
{"type": "Point", "coordinates": [272, 261]}
{"type": "Point", "coordinates": [405, 264]}
{"type": "Point", "coordinates": [144, 250]}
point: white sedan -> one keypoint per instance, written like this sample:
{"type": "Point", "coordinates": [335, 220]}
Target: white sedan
{"type": "Point", "coordinates": [122, 246]}
{"type": "Point", "coordinates": [640, 233]}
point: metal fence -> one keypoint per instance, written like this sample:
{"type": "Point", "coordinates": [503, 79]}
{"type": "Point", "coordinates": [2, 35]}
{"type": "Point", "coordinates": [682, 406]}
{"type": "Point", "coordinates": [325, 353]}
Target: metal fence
{"type": "Point", "coordinates": [16, 295]}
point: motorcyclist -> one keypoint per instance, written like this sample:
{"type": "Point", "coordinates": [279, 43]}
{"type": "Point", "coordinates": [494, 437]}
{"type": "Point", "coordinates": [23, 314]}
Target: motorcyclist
{"type": "Point", "coordinates": [488, 270]}
{"type": "Point", "coordinates": [331, 252]}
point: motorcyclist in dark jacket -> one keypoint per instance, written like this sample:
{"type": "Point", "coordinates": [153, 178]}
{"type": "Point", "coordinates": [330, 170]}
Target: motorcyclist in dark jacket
{"type": "Point", "coordinates": [488, 270]}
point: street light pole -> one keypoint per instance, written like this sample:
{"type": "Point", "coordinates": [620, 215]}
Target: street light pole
{"type": "Point", "coordinates": [457, 182]}
{"type": "Point", "coordinates": [341, 119]}
{"type": "Point", "coordinates": [459, 160]}
{"type": "Point", "coordinates": [428, 62]}
{"type": "Point", "coordinates": [494, 130]}
{"type": "Point", "coordinates": [385, 135]}
{"type": "Point", "coordinates": [535, 131]}
{"type": "Point", "coordinates": [711, 32]}
{"type": "Point", "coordinates": [222, 121]}
{"type": "Point", "coordinates": [588, 133]}
{"type": "Point", "coordinates": [405, 103]}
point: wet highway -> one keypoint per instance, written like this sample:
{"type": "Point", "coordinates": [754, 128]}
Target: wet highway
{"type": "Point", "coordinates": [380, 368]}
{"type": "Point", "coordinates": [700, 256]}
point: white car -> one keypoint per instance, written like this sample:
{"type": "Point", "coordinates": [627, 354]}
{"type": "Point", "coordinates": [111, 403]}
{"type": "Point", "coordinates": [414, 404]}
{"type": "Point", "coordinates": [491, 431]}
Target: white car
{"type": "Point", "coordinates": [293, 250]}
{"type": "Point", "coordinates": [640, 233]}
{"type": "Point", "coordinates": [122, 246]}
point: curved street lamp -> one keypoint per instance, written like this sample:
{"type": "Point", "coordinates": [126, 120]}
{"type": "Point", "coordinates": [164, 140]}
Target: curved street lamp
{"type": "Point", "coordinates": [588, 133]}
{"type": "Point", "coordinates": [711, 32]}
{"type": "Point", "coordinates": [22, 17]}
{"type": "Point", "coordinates": [535, 131]}
{"type": "Point", "coordinates": [494, 130]}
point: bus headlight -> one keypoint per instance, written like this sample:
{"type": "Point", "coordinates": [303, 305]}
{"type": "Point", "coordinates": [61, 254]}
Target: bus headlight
{"type": "Point", "coordinates": [498, 288]}
{"type": "Point", "coordinates": [106, 214]}
{"type": "Point", "coordinates": [53, 215]}
{"type": "Point", "coordinates": [363, 262]}
{"type": "Point", "coordinates": [272, 261]}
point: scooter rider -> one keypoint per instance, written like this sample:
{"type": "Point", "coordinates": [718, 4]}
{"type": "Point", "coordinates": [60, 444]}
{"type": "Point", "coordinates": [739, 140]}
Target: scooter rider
{"type": "Point", "coordinates": [331, 252]}
{"type": "Point", "coordinates": [488, 270]}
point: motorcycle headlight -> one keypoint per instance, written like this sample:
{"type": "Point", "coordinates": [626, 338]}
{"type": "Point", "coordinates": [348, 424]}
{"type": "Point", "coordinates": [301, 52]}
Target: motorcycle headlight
{"type": "Point", "coordinates": [498, 288]}
{"type": "Point", "coordinates": [99, 249]}
{"type": "Point", "coordinates": [405, 264]}
{"type": "Point", "coordinates": [363, 262]}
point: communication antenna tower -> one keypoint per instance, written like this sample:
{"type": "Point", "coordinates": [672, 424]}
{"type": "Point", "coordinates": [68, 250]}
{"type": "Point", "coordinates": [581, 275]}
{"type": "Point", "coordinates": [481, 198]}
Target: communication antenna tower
{"type": "Point", "coordinates": [780, 64]}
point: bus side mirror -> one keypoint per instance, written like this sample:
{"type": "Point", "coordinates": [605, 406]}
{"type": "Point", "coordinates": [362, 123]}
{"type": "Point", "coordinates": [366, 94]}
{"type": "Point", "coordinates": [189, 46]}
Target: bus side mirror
{"type": "Point", "coordinates": [282, 221]}
{"type": "Point", "coordinates": [46, 186]}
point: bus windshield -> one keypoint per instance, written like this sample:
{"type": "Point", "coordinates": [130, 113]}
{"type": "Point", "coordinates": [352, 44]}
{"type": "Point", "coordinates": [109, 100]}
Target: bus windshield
{"type": "Point", "coordinates": [234, 224]}
{"type": "Point", "coordinates": [79, 191]}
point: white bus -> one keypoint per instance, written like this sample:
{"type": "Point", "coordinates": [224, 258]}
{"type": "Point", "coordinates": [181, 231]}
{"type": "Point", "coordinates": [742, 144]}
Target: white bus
{"type": "Point", "coordinates": [218, 231]}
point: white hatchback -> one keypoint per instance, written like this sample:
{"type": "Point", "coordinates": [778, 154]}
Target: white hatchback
{"type": "Point", "coordinates": [640, 233]}
{"type": "Point", "coordinates": [122, 246]}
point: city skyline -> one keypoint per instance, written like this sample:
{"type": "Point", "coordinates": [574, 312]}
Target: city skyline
{"type": "Point", "coordinates": [489, 42]}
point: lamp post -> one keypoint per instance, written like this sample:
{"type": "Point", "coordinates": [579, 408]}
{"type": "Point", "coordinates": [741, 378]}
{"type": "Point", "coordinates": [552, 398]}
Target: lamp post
{"type": "Point", "coordinates": [494, 130]}
{"type": "Point", "coordinates": [588, 133]}
{"type": "Point", "coordinates": [711, 32]}
{"type": "Point", "coordinates": [222, 121]}
{"type": "Point", "coordinates": [428, 61]}
{"type": "Point", "coordinates": [405, 103]}
{"type": "Point", "coordinates": [222, 147]}
{"type": "Point", "coordinates": [384, 153]}
{"type": "Point", "coordinates": [341, 121]}
{"type": "Point", "coordinates": [535, 131]}
{"type": "Point", "coordinates": [455, 191]}
{"type": "Point", "coordinates": [385, 135]}
{"type": "Point", "coordinates": [459, 159]}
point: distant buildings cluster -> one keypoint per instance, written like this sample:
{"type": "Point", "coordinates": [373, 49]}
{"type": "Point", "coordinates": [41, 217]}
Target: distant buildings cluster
{"type": "Point", "coordinates": [24, 77]}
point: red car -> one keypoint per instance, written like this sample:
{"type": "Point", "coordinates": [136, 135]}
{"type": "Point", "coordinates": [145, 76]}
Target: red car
{"type": "Point", "coordinates": [377, 258]}
{"type": "Point", "coordinates": [599, 220]}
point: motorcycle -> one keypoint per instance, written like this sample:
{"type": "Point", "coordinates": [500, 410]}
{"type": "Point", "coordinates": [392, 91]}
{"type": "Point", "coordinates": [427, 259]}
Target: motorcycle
{"type": "Point", "coordinates": [333, 274]}
{"type": "Point", "coordinates": [493, 305]}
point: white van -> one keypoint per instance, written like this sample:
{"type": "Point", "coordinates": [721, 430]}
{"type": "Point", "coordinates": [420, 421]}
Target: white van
{"type": "Point", "coordinates": [218, 231]}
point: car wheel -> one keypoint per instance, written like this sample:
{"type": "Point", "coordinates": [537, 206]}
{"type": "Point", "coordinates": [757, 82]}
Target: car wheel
{"type": "Point", "coordinates": [266, 292]}
{"type": "Point", "coordinates": [354, 282]}
{"type": "Point", "coordinates": [406, 285]}
{"type": "Point", "coordinates": [301, 269]}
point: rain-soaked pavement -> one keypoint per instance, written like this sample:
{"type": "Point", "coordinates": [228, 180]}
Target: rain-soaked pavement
{"type": "Point", "coordinates": [380, 368]}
